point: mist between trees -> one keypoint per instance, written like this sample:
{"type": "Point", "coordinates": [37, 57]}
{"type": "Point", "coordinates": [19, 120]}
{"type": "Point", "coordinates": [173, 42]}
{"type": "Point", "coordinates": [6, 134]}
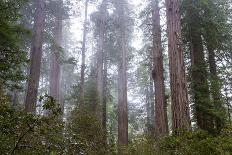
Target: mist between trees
{"type": "Point", "coordinates": [126, 77]}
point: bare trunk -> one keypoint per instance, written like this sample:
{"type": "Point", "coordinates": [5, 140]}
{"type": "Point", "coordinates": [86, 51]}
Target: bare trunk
{"type": "Point", "coordinates": [54, 79]}
{"type": "Point", "coordinates": [161, 122]}
{"type": "Point", "coordinates": [151, 97]}
{"type": "Point", "coordinates": [179, 98]}
{"type": "Point", "coordinates": [36, 56]}
{"type": "Point", "coordinates": [83, 50]}
{"type": "Point", "coordinates": [148, 110]}
{"type": "Point", "coordinates": [62, 90]}
{"type": "Point", "coordinates": [104, 105]}
{"type": "Point", "coordinates": [100, 55]}
{"type": "Point", "coordinates": [122, 82]}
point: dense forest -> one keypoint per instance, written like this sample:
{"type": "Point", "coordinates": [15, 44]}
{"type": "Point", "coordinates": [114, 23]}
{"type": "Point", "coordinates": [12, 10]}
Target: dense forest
{"type": "Point", "coordinates": [115, 77]}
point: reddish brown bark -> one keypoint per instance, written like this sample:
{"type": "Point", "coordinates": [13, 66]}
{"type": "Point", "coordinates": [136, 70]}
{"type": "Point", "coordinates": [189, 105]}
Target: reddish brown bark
{"type": "Point", "coordinates": [179, 99]}
{"type": "Point", "coordinates": [122, 76]}
{"type": "Point", "coordinates": [54, 79]}
{"type": "Point", "coordinates": [100, 57]}
{"type": "Point", "coordinates": [36, 56]}
{"type": "Point", "coordinates": [161, 122]}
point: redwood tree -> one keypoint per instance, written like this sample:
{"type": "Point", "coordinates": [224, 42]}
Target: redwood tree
{"type": "Point", "coordinates": [161, 122]}
{"type": "Point", "coordinates": [54, 80]}
{"type": "Point", "coordinates": [122, 74]}
{"type": "Point", "coordinates": [35, 57]}
{"type": "Point", "coordinates": [83, 53]}
{"type": "Point", "coordinates": [100, 59]}
{"type": "Point", "coordinates": [179, 97]}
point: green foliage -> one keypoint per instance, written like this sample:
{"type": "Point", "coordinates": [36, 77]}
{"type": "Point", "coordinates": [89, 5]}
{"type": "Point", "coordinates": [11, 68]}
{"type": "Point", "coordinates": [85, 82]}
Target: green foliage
{"type": "Point", "coordinates": [24, 133]}
{"type": "Point", "coordinates": [198, 143]}
{"type": "Point", "coordinates": [11, 56]}
{"type": "Point", "coordinates": [85, 133]}
{"type": "Point", "coordinates": [143, 146]}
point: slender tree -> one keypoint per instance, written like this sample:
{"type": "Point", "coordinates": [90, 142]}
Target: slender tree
{"type": "Point", "coordinates": [179, 98]}
{"type": "Point", "coordinates": [83, 53]}
{"type": "Point", "coordinates": [36, 55]}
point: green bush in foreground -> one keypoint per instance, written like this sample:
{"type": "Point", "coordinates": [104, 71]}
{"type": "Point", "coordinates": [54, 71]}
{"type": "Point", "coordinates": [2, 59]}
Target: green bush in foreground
{"type": "Point", "coordinates": [26, 134]}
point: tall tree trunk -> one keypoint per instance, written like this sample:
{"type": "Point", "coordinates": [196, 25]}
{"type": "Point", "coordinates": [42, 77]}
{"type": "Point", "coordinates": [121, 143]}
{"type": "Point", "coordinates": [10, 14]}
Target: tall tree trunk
{"type": "Point", "coordinates": [36, 56]}
{"type": "Point", "coordinates": [83, 50]}
{"type": "Point", "coordinates": [100, 57]}
{"type": "Point", "coordinates": [104, 106]}
{"type": "Point", "coordinates": [122, 81]}
{"type": "Point", "coordinates": [54, 79]}
{"type": "Point", "coordinates": [161, 121]}
{"type": "Point", "coordinates": [151, 96]}
{"type": "Point", "coordinates": [62, 90]}
{"type": "Point", "coordinates": [215, 88]}
{"type": "Point", "coordinates": [199, 79]}
{"type": "Point", "coordinates": [148, 110]}
{"type": "Point", "coordinates": [179, 98]}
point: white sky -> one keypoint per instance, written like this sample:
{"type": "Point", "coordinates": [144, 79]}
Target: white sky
{"type": "Point", "coordinates": [77, 21]}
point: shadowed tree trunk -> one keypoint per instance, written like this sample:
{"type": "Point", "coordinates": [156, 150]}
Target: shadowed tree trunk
{"type": "Point", "coordinates": [36, 56]}
{"type": "Point", "coordinates": [199, 79]}
{"type": "Point", "coordinates": [215, 88]}
{"type": "Point", "coordinates": [179, 98]}
{"type": "Point", "coordinates": [161, 122]}
{"type": "Point", "coordinates": [104, 106]}
{"type": "Point", "coordinates": [54, 79]}
{"type": "Point", "coordinates": [83, 54]}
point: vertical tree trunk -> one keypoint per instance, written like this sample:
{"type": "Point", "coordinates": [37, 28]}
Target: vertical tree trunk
{"type": "Point", "coordinates": [148, 110]}
{"type": "Point", "coordinates": [122, 81]}
{"type": "Point", "coordinates": [100, 55]}
{"type": "Point", "coordinates": [151, 96]}
{"type": "Point", "coordinates": [62, 90]}
{"type": "Point", "coordinates": [179, 98]}
{"type": "Point", "coordinates": [161, 122]}
{"type": "Point", "coordinates": [54, 79]}
{"type": "Point", "coordinates": [215, 88]}
{"type": "Point", "coordinates": [83, 50]}
{"type": "Point", "coordinates": [36, 56]}
{"type": "Point", "coordinates": [199, 80]}
{"type": "Point", "coordinates": [104, 106]}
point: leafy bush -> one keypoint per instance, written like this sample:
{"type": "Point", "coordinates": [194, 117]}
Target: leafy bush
{"type": "Point", "coordinates": [24, 133]}
{"type": "Point", "coordinates": [86, 135]}
{"type": "Point", "coordinates": [198, 143]}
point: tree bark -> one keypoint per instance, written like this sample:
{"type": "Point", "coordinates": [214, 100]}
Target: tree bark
{"type": "Point", "coordinates": [215, 88]}
{"type": "Point", "coordinates": [36, 56]}
{"type": "Point", "coordinates": [199, 80]}
{"type": "Point", "coordinates": [100, 57]}
{"type": "Point", "coordinates": [104, 106]}
{"type": "Point", "coordinates": [54, 79]}
{"type": "Point", "coordinates": [83, 54]}
{"type": "Point", "coordinates": [122, 81]}
{"type": "Point", "coordinates": [161, 122]}
{"type": "Point", "coordinates": [179, 98]}
{"type": "Point", "coordinates": [151, 96]}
